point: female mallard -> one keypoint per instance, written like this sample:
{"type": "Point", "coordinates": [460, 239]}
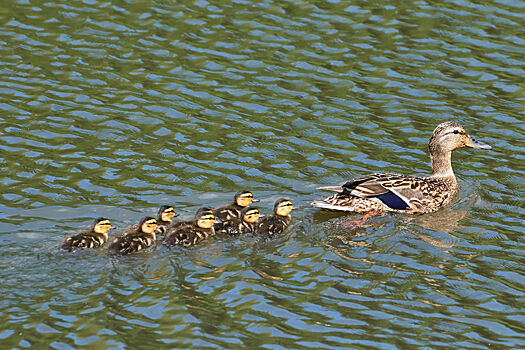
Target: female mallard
{"type": "Point", "coordinates": [278, 221]}
{"type": "Point", "coordinates": [190, 233]}
{"type": "Point", "coordinates": [92, 238]}
{"type": "Point", "coordinates": [164, 218]}
{"type": "Point", "coordinates": [246, 224]}
{"type": "Point", "coordinates": [135, 238]}
{"type": "Point", "coordinates": [242, 199]}
{"type": "Point", "coordinates": [407, 194]}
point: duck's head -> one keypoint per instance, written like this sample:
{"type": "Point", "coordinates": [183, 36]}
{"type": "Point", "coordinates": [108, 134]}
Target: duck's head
{"type": "Point", "coordinates": [250, 214]}
{"type": "Point", "coordinates": [449, 136]}
{"type": "Point", "coordinates": [244, 198]}
{"type": "Point", "coordinates": [148, 225]}
{"type": "Point", "coordinates": [283, 207]}
{"type": "Point", "coordinates": [166, 213]}
{"type": "Point", "coordinates": [204, 218]}
{"type": "Point", "coordinates": [102, 226]}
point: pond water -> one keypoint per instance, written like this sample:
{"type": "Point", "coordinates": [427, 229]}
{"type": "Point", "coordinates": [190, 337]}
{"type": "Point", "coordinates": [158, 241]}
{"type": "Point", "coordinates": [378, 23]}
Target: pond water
{"type": "Point", "coordinates": [115, 108]}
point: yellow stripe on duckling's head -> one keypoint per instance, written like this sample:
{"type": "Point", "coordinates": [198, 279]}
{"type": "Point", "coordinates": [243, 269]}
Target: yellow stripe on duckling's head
{"type": "Point", "coordinates": [250, 215]}
{"type": "Point", "coordinates": [102, 225]}
{"type": "Point", "coordinates": [166, 213]}
{"type": "Point", "coordinates": [283, 207]}
{"type": "Point", "coordinates": [148, 224]}
{"type": "Point", "coordinates": [244, 198]}
{"type": "Point", "coordinates": [206, 221]}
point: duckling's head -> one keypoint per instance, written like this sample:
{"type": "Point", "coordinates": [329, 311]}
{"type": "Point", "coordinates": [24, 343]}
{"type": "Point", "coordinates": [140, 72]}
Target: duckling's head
{"type": "Point", "coordinates": [250, 214]}
{"type": "Point", "coordinates": [102, 226]}
{"type": "Point", "coordinates": [244, 198]}
{"type": "Point", "coordinates": [204, 218]}
{"type": "Point", "coordinates": [148, 224]}
{"type": "Point", "coordinates": [449, 136]}
{"type": "Point", "coordinates": [283, 207]}
{"type": "Point", "coordinates": [166, 213]}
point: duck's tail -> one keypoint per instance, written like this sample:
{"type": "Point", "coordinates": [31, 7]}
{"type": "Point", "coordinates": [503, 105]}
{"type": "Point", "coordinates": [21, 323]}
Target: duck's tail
{"type": "Point", "coordinates": [348, 203]}
{"type": "Point", "coordinates": [331, 188]}
{"type": "Point", "coordinates": [328, 206]}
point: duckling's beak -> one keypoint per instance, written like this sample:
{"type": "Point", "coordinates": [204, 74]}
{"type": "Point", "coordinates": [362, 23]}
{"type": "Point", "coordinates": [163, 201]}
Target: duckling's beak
{"type": "Point", "coordinates": [476, 144]}
{"type": "Point", "coordinates": [217, 220]}
{"type": "Point", "coordinates": [255, 200]}
{"type": "Point", "coordinates": [175, 215]}
{"type": "Point", "coordinates": [112, 227]}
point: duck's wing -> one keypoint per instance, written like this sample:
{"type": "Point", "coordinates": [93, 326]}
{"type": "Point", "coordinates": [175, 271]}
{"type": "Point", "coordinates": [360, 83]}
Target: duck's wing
{"type": "Point", "coordinates": [227, 212]}
{"type": "Point", "coordinates": [397, 192]}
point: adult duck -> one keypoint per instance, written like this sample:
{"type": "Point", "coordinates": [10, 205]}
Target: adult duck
{"type": "Point", "coordinates": [407, 194]}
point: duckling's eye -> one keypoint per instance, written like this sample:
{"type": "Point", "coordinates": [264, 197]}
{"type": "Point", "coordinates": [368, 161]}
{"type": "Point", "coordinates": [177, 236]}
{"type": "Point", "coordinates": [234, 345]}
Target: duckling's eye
{"type": "Point", "coordinates": [456, 132]}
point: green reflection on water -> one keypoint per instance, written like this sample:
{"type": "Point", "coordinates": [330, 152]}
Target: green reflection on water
{"type": "Point", "coordinates": [115, 108]}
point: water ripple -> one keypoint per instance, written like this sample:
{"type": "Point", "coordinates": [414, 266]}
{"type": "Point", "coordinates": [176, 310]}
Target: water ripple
{"type": "Point", "coordinates": [114, 109]}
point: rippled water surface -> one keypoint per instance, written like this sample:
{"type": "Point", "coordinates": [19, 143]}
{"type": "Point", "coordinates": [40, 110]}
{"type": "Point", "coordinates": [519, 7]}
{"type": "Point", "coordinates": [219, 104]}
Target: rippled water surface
{"type": "Point", "coordinates": [114, 108]}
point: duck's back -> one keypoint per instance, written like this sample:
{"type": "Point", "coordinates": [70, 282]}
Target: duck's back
{"type": "Point", "coordinates": [84, 239]}
{"type": "Point", "coordinates": [186, 235]}
{"type": "Point", "coordinates": [272, 225]}
{"type": "Point", "coordinates": [228, 212]}
{"type": "Point", "coordinates": [129, 242]}
{"type": "Point", "coordinates": [391, 192]}
{"type": "Point", "coordinates": [234, 227]}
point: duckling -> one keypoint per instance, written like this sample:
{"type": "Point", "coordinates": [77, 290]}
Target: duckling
{"type": "Point", "coordinates": [277, 222]}
{"type": "Point", "coordinates": [242, 199]}
{"type": "Point", "coordinates": [408, 194]}
{"type": "Point", "coordinates": [92, 238]}
{"type": "Point", "coordinates": [191, 233]}
{"type": "Point", "coordinates": [247, 223]}
{"type": "Point", "coordinates": [164, 218]}
{"type": "Point", "coordinates": [135, 238]}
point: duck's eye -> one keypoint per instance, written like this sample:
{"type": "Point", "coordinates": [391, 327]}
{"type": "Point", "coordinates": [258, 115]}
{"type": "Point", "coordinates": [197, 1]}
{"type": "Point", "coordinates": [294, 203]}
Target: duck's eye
{"type": "Point", "coordinates": [456, 132]}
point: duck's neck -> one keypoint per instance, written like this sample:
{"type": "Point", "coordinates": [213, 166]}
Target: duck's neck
{"type": "Point", "coordinates": [442, 165]}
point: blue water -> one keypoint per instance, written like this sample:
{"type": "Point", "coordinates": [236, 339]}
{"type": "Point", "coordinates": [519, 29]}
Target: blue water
{"type": "Point", "coordinates": [113, 109]}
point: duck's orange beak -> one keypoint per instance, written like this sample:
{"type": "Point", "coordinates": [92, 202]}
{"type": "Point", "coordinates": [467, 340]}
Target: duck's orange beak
{"type": "Point", "coordinates": [476, 144]}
